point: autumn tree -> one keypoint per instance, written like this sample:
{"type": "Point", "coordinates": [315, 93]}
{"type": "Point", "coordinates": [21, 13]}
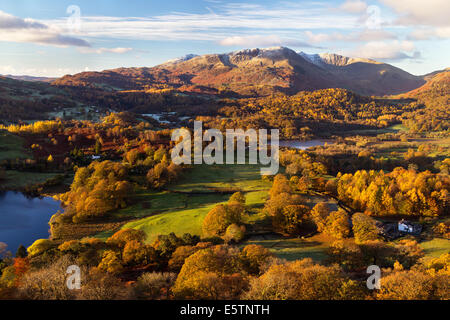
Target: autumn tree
{"type": "Point", "coordinates": [111, 262]}
{"type": "Point", "coordinates": [291, 218]}
{"type": "Point", "coordinates": [338, 225]}
{"type": "Point", "coordinates": [364, 228]}
{"type": "Point", "coordinates": [21, 252]}
{"type": "Point", "coordinates": [319, 215]}
{"type": "Point", "coordinates": [181, 253]}
{"type": "Point", "coordinates": [137, 253]}
{"type": "Point", "coordinates": [96, 190]}
{"type": "Point", "coordinates": [234, 233]}
{"type": "Point", "coordinates": [122, 237]}
{"type": "Point", "coordinates": [254, 257]}
{"type": "Point", "coordinates": [221, 217]}
{"type": "Point", "coordinates": [303, 280]}
{"type": "Point", "coordinates": [237, 197]}
{"type": "Point", "coordinates": [212, 273]}
{"type": "Point", "coordinates": [405, 285]}
{"type": "Point", "coordinates": [48, 283]}
{"type": "Point", "coordinates": [154, 285]}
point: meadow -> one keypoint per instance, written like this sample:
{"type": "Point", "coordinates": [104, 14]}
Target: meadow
{"type": "Point", "coordinates": [182, 208]}
{"type": "Point", "coordinates": [11, 147]}
{"type": "Point", "coordinates": [435, 247]}
{"type": "Point", "coordinates": [293, 248]}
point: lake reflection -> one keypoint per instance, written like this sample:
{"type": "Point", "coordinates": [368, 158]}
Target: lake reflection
{"type": "Point", "coordinates": [24, 220]}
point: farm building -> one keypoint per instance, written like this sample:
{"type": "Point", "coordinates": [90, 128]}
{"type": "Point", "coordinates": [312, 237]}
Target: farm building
{"type": "Point", "coordinates": [396, 230]}
{"type": "Point", "coordinates": [405, 226]}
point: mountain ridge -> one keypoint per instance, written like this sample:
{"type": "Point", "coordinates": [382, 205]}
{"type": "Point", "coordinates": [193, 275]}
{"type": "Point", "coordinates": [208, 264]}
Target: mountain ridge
{"type": "Point", "coordinates": [256, 71]}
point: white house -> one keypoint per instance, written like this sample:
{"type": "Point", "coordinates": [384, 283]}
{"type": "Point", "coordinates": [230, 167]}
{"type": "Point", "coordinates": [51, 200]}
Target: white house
{"type": "Point", "coordinates": [404, 226]}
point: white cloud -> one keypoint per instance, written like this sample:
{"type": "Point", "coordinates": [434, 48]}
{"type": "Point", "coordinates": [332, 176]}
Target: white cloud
{"type": "Point", "coordinates": [118, 50]}
{"type": "Point", "coordinates": [321, 37]}
{"type": "Point", "coordinates": [43, 72]}
{"type": "Point", "coordinates": [7, 69]}
{"type": "Point", "coordinates": [420, 12]}
{"type": "Point", "coordinates": [15, 29]}
{"type": "Point", "coordinates": [361, 36]}
{"type": "Point", "coordinates": [225, 20]}
{"type": "Point", "coordinates": [354, 6]}
{"type": "Point", "coordinates": [430, 33]}
{"type": "Point", "coordinates": [8, 21]}
{"type": "Point", "coordinates": [394, 50]}
{"type": "Point", "coordinates": [262, 41]}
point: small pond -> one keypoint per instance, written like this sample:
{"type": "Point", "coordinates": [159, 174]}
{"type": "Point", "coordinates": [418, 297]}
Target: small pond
{"type": "Point", "coordinates": [23, 219]}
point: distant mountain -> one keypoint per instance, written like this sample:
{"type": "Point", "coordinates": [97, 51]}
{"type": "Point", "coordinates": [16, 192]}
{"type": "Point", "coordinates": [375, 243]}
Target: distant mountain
{"type": "Point", "coordinates": [332, 59]}
{"type": "Point", "coordinates": [255, 72]}
{"type": "Point", "coordinates": [366, 76]}
{"type": "Point", "coordinates": [181, 59]}
{"type": "Point", "coordinates": [31, 78]}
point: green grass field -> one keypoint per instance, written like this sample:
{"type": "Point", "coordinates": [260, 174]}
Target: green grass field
{"type": "Point", "coordinates": [292, 248]}
{"type": "Point", "coordinates": [11, 147]}
{"type": "Point", "coordinates": [18, 179]}
{"type": "Point", "coordinates": [392, 129]}
{"type": "Point", "coordinates": [179, 222]}
{"type": "Point", "coordinates": [237, 177]}
{"type": "Point", "coordinates": [180, 212]}
{"type": "Point", "coordinates": [436, 247]}
{"type": "Point", "coordinates": [189, 219]}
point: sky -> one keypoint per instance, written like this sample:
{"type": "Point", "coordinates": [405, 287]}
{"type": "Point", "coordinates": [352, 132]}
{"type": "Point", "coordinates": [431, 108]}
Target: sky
{"type": "Point", "coordinates": [54, 38]}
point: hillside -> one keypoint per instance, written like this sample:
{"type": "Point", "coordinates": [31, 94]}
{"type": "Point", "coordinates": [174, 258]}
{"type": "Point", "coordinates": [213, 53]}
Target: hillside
{"type": "Point", "coordinates": [434, 94]}
{"type": "Point", "coordinates": [254, 72]}
{"type": "Point", "coordinates": [436, 91]}
{"type": "Point", "coordinates": [25, 100]}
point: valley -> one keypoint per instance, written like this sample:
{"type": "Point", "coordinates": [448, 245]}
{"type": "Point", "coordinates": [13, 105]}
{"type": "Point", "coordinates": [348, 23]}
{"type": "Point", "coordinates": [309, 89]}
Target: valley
{"type": "Point", "coordinates": [363, 143]}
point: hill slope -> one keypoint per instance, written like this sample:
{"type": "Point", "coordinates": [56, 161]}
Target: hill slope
{"type": "Point", "coordinates": [25, 100]}
{"type": "Point", "coordinates": [435, 92]}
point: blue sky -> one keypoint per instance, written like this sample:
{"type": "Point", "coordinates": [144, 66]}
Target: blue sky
{"type": "Point", "coordinates": [53, 38]}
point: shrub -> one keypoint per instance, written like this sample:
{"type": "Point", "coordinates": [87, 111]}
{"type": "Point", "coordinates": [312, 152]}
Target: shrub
{"type": "Point", "coordinates": [48, 283]}
{"type": "Point", "coordinates": [40, 246]}
{"type": "Point", "coordinates": [103, 286]}
{"type": "Point", "coordinates": [234, 233]}
{"type": "Point", "coordinates": [154, 285]}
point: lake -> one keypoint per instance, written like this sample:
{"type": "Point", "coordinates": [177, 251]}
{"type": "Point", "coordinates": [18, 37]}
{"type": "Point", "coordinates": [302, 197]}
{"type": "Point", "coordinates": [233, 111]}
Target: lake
{"type": "Point", "coordinates": [24, 220]}
{"type": "Point", "coordinates": [303, 145]}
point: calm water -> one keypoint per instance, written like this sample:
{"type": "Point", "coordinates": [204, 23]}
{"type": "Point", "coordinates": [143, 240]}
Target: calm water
{"type": "Point", "coordinates": [24, 220]}
{"type": "Point", "coordinates": [303, 145]}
